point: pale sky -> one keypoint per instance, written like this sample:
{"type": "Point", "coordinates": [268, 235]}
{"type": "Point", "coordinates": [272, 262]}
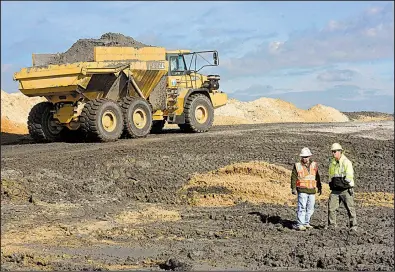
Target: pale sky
{"type": "Point", "coordinates": [339, 54]}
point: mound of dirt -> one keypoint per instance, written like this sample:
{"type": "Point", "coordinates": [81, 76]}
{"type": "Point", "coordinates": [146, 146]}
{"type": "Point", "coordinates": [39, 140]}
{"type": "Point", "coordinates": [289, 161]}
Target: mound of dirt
{"type": "Point", "coordinates": [321, 113]}
{"type": "Point", "coordinates": [269, 110]}
{"type": "Point", "coordinates": [368, 116]}
{"type": "Point", "coordinates": [82, 50]}
{"type": "Point", "coordinates": [15, 109]}
{"type": "Point", "coordinates": [8, 126]}
{"type": "Point", "coordinates": [255, 182]}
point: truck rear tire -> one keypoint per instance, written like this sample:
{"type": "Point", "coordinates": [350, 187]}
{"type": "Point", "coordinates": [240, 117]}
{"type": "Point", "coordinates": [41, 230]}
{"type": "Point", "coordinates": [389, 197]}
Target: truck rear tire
{"type": "Point", "coordinates": [199, 114]}
{"type": "Point", "coordinates": [40, 123]}
{"type": "Point", "coordinates": [137, 116]}
{"type": "Point", "coordinates": [102, 120]}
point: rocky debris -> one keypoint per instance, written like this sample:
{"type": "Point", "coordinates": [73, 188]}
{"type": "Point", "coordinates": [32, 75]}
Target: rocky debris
{"type": "Point", "coordinates": [175, 265]}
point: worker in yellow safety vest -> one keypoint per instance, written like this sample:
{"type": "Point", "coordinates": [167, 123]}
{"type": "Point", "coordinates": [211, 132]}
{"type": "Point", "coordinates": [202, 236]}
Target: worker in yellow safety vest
{"type": "Point", "coordinates": [341, 183]}
{"type": "Point", "coordinates": [305, 180]}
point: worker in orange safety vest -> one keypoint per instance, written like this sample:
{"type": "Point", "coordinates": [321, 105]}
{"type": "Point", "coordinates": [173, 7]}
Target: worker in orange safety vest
{"type": "Point", "coordinates": [305, 181]}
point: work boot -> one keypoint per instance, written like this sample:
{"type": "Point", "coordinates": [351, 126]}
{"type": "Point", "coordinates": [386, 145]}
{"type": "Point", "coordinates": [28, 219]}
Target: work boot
{"type": "Point", "coordinates": [302, 228]}
{"type": "Point", "coordinates": [308, 226]}
{"type": "Point", "coordinates": [354, 229]}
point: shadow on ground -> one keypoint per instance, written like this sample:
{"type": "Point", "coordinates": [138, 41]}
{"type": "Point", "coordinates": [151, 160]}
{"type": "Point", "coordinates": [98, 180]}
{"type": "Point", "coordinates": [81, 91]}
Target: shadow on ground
{"type": "Point", "coordinates": [10, 138]}
{"type": "Point", "coordinates": [274, 219]}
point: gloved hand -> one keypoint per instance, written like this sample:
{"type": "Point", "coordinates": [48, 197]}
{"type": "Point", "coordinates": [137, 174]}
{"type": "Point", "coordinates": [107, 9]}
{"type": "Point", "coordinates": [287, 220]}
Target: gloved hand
{"type": "Point", "coordinates": [351, 191]}
{"type": "Point", "coordinates": [319, 191]}
{"type": "Point", "coordinates": [294, 191]}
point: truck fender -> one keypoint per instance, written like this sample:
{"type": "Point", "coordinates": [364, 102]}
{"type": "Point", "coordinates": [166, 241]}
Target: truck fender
{"type": "Point", "coordinates": [194, 91]}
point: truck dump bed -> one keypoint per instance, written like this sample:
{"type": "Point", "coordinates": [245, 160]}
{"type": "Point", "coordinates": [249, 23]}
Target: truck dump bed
{"type": "Point", "coordinates": [146, 66]}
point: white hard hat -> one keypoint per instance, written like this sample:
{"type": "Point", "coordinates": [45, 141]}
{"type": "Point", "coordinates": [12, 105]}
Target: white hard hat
{"type": "Point", "coordinates": [305, 152]}
{"type": "Point", "coordinates": [336, 146]}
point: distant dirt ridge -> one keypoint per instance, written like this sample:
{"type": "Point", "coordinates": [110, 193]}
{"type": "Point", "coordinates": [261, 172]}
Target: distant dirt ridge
{"type": "Point", "coordinates": [366, 116]}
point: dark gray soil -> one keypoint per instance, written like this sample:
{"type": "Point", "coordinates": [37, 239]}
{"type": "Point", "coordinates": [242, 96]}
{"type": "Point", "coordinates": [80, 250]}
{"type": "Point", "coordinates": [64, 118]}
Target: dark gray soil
{"type": "Point", "coordinates": [106, 178]}
{"type": "Point", "coordinates": [82, 50]}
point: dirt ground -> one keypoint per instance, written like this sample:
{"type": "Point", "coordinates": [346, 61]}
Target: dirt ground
{"type": "Point", "coordinates": [213, 201]}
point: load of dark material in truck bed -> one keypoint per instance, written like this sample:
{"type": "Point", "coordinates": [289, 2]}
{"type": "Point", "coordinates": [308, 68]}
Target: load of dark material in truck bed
{"type": "Point", "coordinates": [82, 50]}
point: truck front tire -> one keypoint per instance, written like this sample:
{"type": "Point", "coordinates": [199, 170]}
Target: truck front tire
{"type": "Point", "coordinates": [199, 114]}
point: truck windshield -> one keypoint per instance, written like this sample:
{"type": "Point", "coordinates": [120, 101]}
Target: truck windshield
{"type": "Point", "coordinates": [177, 65]}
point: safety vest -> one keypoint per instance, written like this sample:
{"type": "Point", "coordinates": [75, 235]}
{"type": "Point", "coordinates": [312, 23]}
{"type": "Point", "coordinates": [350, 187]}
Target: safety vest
{"type": "Point", "coordinates": [342, 169]}
{"type": "Point", "coordinates": [306, 178]}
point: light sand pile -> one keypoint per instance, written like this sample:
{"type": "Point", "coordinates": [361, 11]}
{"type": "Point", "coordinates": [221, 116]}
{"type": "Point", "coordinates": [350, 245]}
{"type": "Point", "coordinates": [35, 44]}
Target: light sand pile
{"type": "Point", "coordinates": [8, 126]}
{"type": "Point", "coordinates": [269, 110]}
{"type": "Point", "coordinates": [321, 113]}
{"type": "Point", "coordinates": [15, 109]}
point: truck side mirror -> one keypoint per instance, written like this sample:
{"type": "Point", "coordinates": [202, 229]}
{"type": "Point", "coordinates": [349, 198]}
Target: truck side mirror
{"type": "Point", "coordinates": [215, 58]}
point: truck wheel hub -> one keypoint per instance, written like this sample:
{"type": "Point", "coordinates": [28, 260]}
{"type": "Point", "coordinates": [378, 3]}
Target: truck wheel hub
{"type": "Point", "coordinates": [53, 127]}
{"type": "Point", "coordinates": [139, 118]}
{"type": "Point", "coordinates": [109, 121]}
{"type": "Point", "coordinates": [201, 114]}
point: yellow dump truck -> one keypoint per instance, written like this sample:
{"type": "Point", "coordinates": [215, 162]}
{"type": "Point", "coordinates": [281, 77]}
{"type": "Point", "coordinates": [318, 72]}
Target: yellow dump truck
{"type": "Point", "coordinates": [125, 91]}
